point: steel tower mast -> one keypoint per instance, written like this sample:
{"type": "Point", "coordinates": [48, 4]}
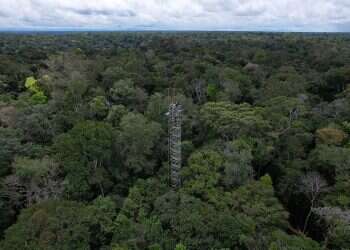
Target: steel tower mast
{"type": "Point", "coordinates": [174, 126]}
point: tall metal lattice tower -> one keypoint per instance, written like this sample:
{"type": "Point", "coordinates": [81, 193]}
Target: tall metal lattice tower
{"type": "Point", "coordinates": [174, 116]}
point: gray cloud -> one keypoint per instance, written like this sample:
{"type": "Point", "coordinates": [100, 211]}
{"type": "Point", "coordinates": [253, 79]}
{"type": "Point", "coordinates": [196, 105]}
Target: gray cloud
{"type": "Point", "coordinates": [3, 14]}
{"type": "Point", "coordinates": [269, 15]}
{"type": "Point", "coordinates": [103, 12]}
{"type": "Point", "coordinates": [89, 12]}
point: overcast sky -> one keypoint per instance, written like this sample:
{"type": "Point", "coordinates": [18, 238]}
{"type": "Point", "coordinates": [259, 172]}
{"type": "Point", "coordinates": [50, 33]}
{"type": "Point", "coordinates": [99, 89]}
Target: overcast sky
{"type": "Point", "coordinates": [258, 15]}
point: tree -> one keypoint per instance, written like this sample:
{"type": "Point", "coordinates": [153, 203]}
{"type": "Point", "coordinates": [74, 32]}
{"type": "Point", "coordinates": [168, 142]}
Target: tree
{"type": "Point", "coordinates": [232, 120]}
{"type": "Point", "coordinates": [83, 118]}
{"type": "Point", "coordinates": [193, 222]}
{"type": "Point", "coordinates": [180, 247]}
{"type": "Point", "coordinates": [38, 96]}
{"type": "Point", "coordinates": [112, 75]}
{"type": "Point", "coordinates": [285, 113]}
{"type": "Point", "coordinates": [126, 93]}
{"type": "Point", "coordinates": [135, 226]}
{"type": "Point", "coordinates": [37, 124]}
{"type": "Point", "coordinates": [62, 225]}
{"type": "Point", "coordinates": [100, 217]}
{"type": "Point", "coordinates": [51, 225]}
{"type": "Point", "coordinates": [212, 91]}
{"type": "Point", "coordinates": [339, 194]}
{"type": "Point", "coordinates": [281, 240]}
{"type": "Point", "coordinates": [336, 79]}
{"type": "Point", "coordinates": [157, 108]}
{"type": "Point", "coordinates": [85, 153]}
{"type": "Point", "coordinates": [286, 82]}
{"type": "Point", "coordinates": [337, 226]}
{"type": "Point", "coordinates": [232, 91]}
{"type": "Point", "coordinates": [138, 137]}
{"type": "Point", "coordinates": [238, 164]}
{"type": "Point", "coordinates": [68, 75]}
{"type": "Point", "coordinates": [10, 141]}
{"type": "Point", "coordinates": [330, 136]}
{"type": "Point", "coordinates": [202, 176]}
{"type": "Point", "coordinates": [7, 115]}
{"type": "Point", "coordinates": [99, 107]}
{"type": "Point", "coordinates": [237, 85]}
{"type": "Point", "coordinates": [256, 201]}
{"type": "Point", "coordinates": [331, 160]}
{"type": "Point", "coordinates": [33, 181]}
{"type": "Point", "coordinates": [115, 114]}
{"type": "Point", "coordinates": [312, 185]}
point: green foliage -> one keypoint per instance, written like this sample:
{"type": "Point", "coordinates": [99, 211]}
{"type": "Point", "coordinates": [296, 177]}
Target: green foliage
{"type": "Point", "coordinates": [157, 108]}
{"type": "Point", "coordinates": [202, 175]}
{"type": "Point", "coordinates": [282, 240]}
{"type": "Point", "coordinates": [52, 225]}
{"type": "Point", "coordinates": [113, 74]}
{"type": "Point", "coordinates": [286, 82]}
{"type": "Point", "coordinates": [180, 247]}
{"type": "Point", "coordinates": [238, 164]}
{"type": "Point", "coordinates": [285, 112]}
{"type": "Point", "coordinates": [98, 106]}
{"type": "Point", "coordinates": [115, 114]}
{"type": "Point", "coordinates": [30, 168]}
{"type": "Point", "coordinates": [126, 93]}
{"type": "Point", "coordinates": [337, 79]}
{"type": "Point", "coordinates": [231, 120]}
{"type": "Point", "coordinates": [32, 84]}
{"type": "Point", "coordinates": [62, 225]}
{"type": "Point", "coordinates": [337, 227]}
{"type": "Point", "coordinates": [134, 224]}
{"type": "Point", "coordinates": [340, 195]}
{"type": "Point", "coordinates": [331, 159]}
{"type": "Point", "coordinates": [238, 217]}
{"type": "Point", "coordinates": [237, 85]}
{"type": "Point", "coordinates": [212, 91]}
{"type": "Point", "coordinates": [138, 137]}
{"type": "Point", "coordinates": [257, 201]}
{"type": "Point", "coordinates": [118, 247]}
{"type": "Point", "coordinates": [38, 96]}
{"type": "Point", "coordinates": [84, 152]}
{"type": "Point", "coordinates": [37, 124]}
{"type": "Point", "coordinates": [265, 123]}
{"type": "Point", "coordinates": [10, 145]}
{"type": "Point", "coordinates": [339, 235]}
{"type": "Point", "coordinates": [100, 218]}
{"type": "Point", "coordinates": [87, 141]}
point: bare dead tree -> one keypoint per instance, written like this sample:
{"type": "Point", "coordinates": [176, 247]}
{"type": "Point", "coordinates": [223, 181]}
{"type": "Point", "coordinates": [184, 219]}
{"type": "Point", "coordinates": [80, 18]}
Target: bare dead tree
{"type": "Point", "coordinates": [312, 185]}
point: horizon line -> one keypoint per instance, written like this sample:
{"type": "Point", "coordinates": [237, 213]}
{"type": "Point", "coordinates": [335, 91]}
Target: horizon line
{"type": "Point", "coordinates": [77, 30]}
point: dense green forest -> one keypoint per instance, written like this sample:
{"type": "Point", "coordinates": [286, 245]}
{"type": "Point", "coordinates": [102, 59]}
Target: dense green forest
{"type": "Point", "coordinates": [84, 141]}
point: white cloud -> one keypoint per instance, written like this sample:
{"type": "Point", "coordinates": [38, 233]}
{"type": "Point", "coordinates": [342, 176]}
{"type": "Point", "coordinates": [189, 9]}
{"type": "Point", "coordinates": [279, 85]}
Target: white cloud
{"type": "Point", "coordinates": [287, 15]}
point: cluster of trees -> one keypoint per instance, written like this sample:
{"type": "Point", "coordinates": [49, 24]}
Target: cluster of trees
{"type": "Point", "coordinates": [83, 135]}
